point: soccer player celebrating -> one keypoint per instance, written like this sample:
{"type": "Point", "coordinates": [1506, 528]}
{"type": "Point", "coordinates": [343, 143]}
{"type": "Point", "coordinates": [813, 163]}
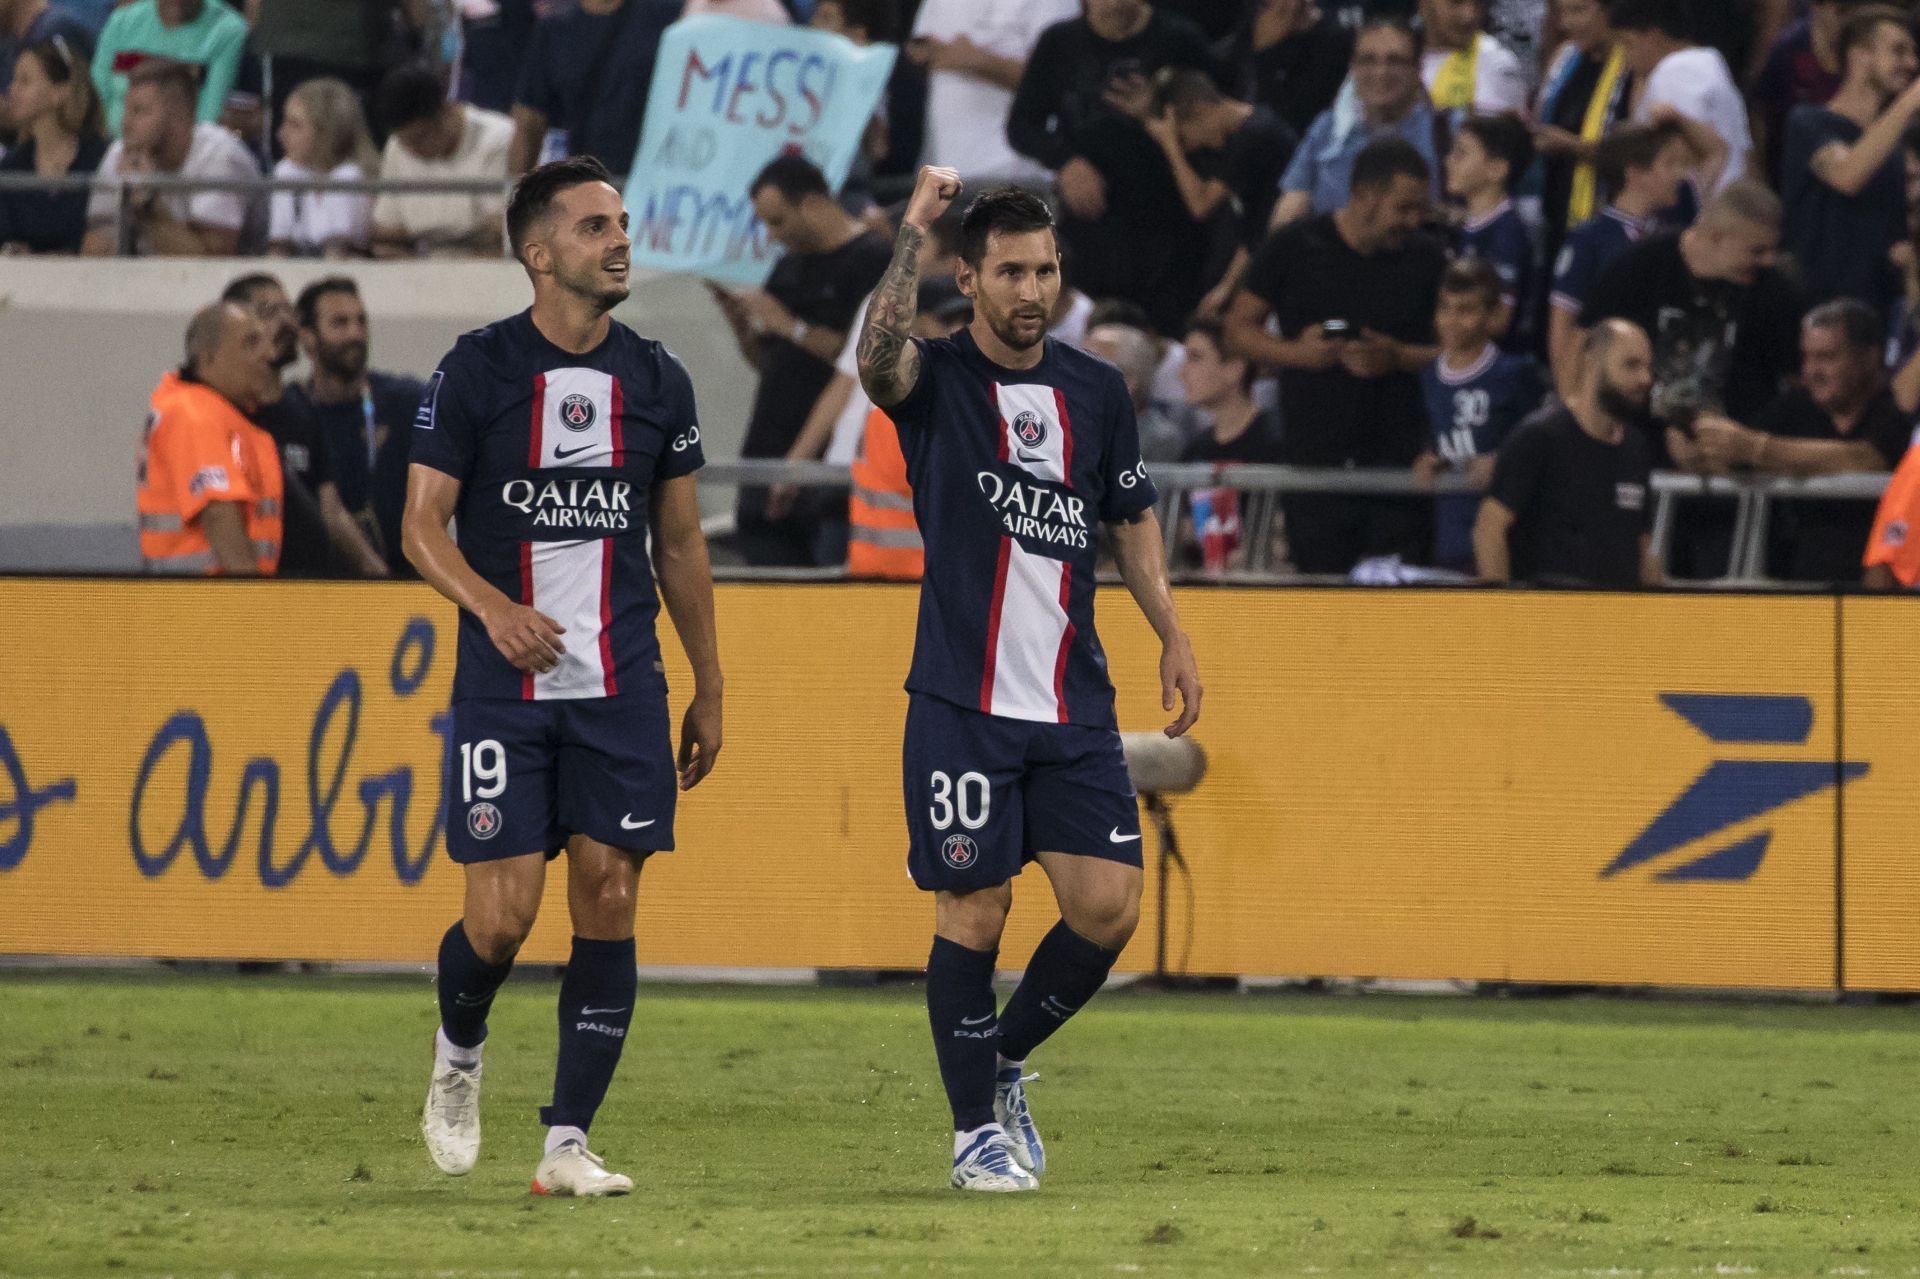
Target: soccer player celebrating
{"type": "Point", "coordinates": [559, 438]}
{"type": "Point", "coordinates": [1015, 445]}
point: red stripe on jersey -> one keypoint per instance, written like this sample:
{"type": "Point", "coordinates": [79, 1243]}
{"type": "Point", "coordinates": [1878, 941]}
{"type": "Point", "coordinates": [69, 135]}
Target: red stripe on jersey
{"type": "Point", "coordinates": [619, 449]}
{"type": "Point", "coordinates": [534, 449]}
{"type": "Point", "coordinates": [1066, 462]}
{"type": "Point", "coordinates": [999, 425]}
{"type": "Point", "coordinates": [1066, 636]}
{"type": "Point", "coordinates": [993, 625]}
{"type": "Point", "coordinates": [526, 597]}
{"type": "Point", "coordinates": [606, 584]}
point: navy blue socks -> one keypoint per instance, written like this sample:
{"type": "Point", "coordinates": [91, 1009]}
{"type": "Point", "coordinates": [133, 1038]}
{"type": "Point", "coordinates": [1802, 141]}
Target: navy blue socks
{"type": "Point", "coordinates": [596, 1006]}
{"type": "Point", "coordinates": [960, 1007]}
{"type": "Point", "coordinates": [1065, 972]}
{"type": "Point", "coordinates": [467, 985]}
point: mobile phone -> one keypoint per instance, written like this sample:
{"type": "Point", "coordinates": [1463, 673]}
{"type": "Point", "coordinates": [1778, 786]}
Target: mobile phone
{"type": "Point", "coordinates": [1336, 329]}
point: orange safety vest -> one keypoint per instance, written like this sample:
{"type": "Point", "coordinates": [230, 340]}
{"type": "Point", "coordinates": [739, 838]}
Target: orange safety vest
{"type": "Point", "coordinates": [883, 540]}
{"type": "Point", "coordinates": [200, 449]}
{"type": "Point", "coordinates": [1896, 525]}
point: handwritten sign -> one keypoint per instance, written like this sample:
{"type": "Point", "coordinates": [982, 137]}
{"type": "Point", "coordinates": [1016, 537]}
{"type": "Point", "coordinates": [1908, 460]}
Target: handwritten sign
{"type": "Point", "coordinates": [728, 96]}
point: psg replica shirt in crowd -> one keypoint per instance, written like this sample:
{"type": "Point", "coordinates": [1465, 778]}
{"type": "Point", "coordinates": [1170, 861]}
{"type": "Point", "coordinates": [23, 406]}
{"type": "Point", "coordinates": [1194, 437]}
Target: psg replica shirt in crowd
{"type": "Point", "coordinates": [1012, 471]}
{"type": "Point", "coordinates": [557, 455]}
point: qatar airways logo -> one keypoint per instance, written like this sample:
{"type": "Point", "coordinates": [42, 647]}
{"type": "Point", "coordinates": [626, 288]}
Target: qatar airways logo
{"type": "Point", "coordinates": [606, 505]}
{"type": "Point", "coordinates": [1036, 513]}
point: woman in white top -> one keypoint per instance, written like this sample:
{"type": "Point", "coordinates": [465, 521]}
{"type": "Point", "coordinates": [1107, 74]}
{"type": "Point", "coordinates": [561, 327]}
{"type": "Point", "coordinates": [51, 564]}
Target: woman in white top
{"type": "Point", "coordinates": [324, 134]}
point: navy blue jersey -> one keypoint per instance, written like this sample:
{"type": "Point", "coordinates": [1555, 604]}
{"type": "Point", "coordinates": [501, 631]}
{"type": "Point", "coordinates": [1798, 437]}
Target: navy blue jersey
{"type": "Point", "coordinates": [1011, 471]}
{"type": "Point", "coordinates": [1500, 238]}
{"type": "Point", "coordinates": [1470, 413]}
{"type": "Point", "coordinates": [557, 456]}
{"type": "Point", "coordinates": [1589, 247]}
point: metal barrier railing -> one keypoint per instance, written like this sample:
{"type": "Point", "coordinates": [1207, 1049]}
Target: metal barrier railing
{"type": "Point", "coordinates": [259, 187]}
{"type": "Point", "coordinates": [1754, 499]}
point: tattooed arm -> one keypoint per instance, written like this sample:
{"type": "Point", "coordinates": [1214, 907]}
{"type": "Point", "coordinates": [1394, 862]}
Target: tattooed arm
{"type": "Point", "coordinates": [889, 361]}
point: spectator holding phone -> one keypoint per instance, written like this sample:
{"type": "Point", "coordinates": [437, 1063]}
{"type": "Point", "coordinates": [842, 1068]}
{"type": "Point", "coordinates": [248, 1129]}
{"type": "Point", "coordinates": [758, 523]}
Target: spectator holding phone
{"type": "Point", "coordinates": [1354, 294]}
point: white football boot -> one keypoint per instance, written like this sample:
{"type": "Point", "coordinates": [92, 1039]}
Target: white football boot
{"type": "Point", "coordinates": [1010, 1109]}
{"type": "Point", "coordinates": [450, 1120]}
{"type": "Point", "coordinates": [572, 1169]}
{"type": "Point", "coordinates": [988, 1163]}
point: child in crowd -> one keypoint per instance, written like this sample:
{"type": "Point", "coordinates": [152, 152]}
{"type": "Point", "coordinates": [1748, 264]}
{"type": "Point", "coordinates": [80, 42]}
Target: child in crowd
{"type": "Point", "coordinates": [1475, 395]}
{"type": "Point", "coordinates": [1490, 155]}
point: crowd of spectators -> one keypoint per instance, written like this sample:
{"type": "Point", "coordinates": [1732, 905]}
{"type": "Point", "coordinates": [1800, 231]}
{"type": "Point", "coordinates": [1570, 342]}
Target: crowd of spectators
{"type": "Point", "coordinates": [1289, 195]}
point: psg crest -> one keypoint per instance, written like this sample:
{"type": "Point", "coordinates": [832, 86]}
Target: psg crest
{"type": "Point", "coordinates": [1029, 429]}
{"type": "Point", "coordinates": [483, 821]}
{"type": "Point", "coordinates": [576, 413]}
{"type": "Point", "coordinates": [959, 852]}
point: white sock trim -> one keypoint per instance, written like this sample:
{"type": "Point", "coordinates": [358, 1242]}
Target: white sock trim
{"type": "Point", "coordinates": [1003, 1063]}
{"type": "Point", "coordinates": [961, 1140]}
{"type": "Point", "coordinates": [561, 1135]}
{"type": "Point", "coordinates": [453, 1054]}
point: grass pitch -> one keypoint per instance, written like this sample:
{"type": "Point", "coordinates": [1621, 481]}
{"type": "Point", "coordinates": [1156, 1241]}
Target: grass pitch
{"type": "Point", "coordinates": [177, 1125]}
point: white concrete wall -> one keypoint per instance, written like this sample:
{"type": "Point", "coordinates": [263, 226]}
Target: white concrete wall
{"type": "Point", "coordinates": [82, 342]}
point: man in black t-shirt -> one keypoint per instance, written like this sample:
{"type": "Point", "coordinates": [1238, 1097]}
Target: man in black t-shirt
{"type": "Point", "coordinates": [360, 420]}
{"type": "Point", "coordinates": [1724, 323]}
{"type": "Point", "coordinates": [791, 331]}
{"type": "Point", "coordinates": [1354, 293]}
{"type": "Point", "coordinates": [1292, 57]}
{"type": "Point", "coordinates": [1842, 173]}
{"type": "Point", "coordinates": [1125, 226]}
{"type": "Point", "coordinates": [1841, 419]}
{"type": "Point", "coordinates": [1570, 501]}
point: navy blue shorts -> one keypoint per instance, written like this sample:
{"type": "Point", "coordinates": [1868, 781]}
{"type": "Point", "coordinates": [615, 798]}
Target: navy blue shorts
{"type": "Point", "coordinates": [986, 793]}
{"type": "Point", "coordinates": [524, 776]}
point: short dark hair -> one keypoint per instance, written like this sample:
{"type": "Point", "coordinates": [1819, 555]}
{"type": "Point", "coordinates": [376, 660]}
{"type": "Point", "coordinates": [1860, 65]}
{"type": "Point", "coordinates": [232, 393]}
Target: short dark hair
{"type": "Point", "coordinates": [1633, 146]}
{"type": "Point", "coordinates": [1473, 275]}
{"type": "Point", "coordinates": [793, 176]}
{"type": "Point", "coordinates": [1119, 311]}
{"type": "Point", "coordinates": [1184, 89]}
{"type": "Point", "coordinates": [167, 73]}
{"type": "Point", "coordinates": [877, 17]}
{"type": "Point", "coordinates": [1664, 16]}
{"type": "Point", "coordinates": [1384, 159]}
{"type": "Point", "coordinates": [412, 92]}
{"type": "Point", "coordinates": [1503, 137]}
{"type": "Point", "coordinates": [1008, 210]}
{"type": "Point", "coordinates": [308, 303]}
{"type": "Point", "coordinates": [243, 288]}
{"type": "Point", "coordinates": [1400, 26]}
{"type": "Point", "coordinates": [537, 189]}
{"type": "Point", "coordinates": [1214, 330]}
{"type": "Point", "coordinates": [1857, 322]}
{"type": "Point", "coordinates": [1860, 26]}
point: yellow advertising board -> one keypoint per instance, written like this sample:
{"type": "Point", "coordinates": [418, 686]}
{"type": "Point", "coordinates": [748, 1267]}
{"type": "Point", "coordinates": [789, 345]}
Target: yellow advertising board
{"type": "Point", "coordinates": [1479, 785]}
{"type": "Point", "coordinates": [1880, 833]}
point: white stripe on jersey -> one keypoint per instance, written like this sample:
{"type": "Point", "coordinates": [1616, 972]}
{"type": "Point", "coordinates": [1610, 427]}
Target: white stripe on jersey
{"type": "Point", "coordinates": [579, 419]}
{"type": "Point", "coordinates": [1036, 408]}
{"type": "Point", "coordinates": [1026, 646]}
{"type": "Point", "coordinates": [568, 585]}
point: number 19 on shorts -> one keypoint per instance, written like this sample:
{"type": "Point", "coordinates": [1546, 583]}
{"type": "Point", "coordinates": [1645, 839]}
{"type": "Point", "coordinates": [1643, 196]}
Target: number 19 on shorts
{"type": "Point", "coordinates": [967, 800]}
{"type": "Point", "coordinates": [484, 762]}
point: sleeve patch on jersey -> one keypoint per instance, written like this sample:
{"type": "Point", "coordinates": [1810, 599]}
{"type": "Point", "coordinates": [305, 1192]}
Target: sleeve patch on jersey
{"type": "Point", "coordinates": [423, 416]}
{"type": "Point", "coordinates": [1896, 534]}
{"type": "Point", "coordinates": [686, 439]}
{"type": "Point", "coordinates": [208, 477]}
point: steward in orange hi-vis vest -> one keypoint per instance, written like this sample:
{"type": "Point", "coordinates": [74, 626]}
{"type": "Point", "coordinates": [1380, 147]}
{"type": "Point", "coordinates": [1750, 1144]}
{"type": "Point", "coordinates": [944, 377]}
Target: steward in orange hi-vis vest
{"type": "Point", "coordinates": [200, 449]}
{"type": "Point", "coordinates": [882, 538]}
{"type": "Point", "coordinates": [1895, 543]}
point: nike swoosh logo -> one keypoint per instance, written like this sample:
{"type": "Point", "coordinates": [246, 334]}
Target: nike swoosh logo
{"type": "Point", "coordinates": [560, 454]}
{"type": "Point", "coordinates": [1025, 456]}
{"type": "Point", "coordinates": [588, 1012]}
{"type": "Point", "coordinates": [627, 823]}
{"type": "Point", "coordinates": [976, 1021]}
{"type": "Point", "coordinates": [1115, 837]}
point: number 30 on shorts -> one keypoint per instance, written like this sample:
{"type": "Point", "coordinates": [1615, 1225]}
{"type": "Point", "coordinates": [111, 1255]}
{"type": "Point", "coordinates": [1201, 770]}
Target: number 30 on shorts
{"type": "Point", "coordinates": [967, 800]}
{"type": "Point", "coordinates": [485, 762]}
